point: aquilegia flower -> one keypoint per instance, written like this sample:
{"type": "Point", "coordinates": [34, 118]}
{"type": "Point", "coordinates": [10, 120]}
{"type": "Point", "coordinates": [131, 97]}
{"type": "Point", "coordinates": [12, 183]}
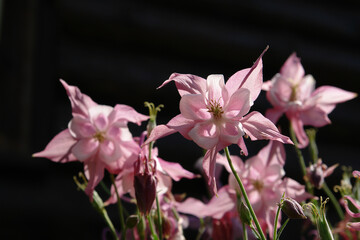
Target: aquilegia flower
{"type": "Point", "coordinates": [97, 135]}
{"type": "Point", "coordinates": [294, 94]}
{"type": "Point", "coordinates": [213, 113]}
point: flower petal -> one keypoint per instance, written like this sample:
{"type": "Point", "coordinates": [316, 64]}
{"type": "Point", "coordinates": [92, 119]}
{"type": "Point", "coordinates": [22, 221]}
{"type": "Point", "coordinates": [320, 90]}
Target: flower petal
{"type": "Point", "coordinates": [192, 106]}
{"type": "Point", "coordinates": [259, 127]}
{"type": "Point", "coordinates": [94, 172]}
{"type": "Point", "coordinates": [293, 69]}
{"type": "Point", "coordinates": [81, 128]}
{"type": "Point", "coordinates": [175, 170]}
{"type": "Point", "coordinates": [215, 89]}
{"type": "Point", "coordinates": [253, 79]}
{"type": "Point", "coordinates": [159, 131]}
{"type": "Point", "coordinates": [85, 148]}
{"type": "Point", "coordinates": [187, 83]}
{"type": "Point", "coordinates": [80, 103]}
{"type": "Point", "coordinates": [238, 105]}
{"type": "Point", "coordinates": [205, 134]}
{"type": "Point", "coordinates": [298, 127]}
{"type": "Point", "coordinates": [209, 164]}
{"type": "Point", "coordinates": [59, 148]}
{"type": "Point", "coordinates": [126, 113]}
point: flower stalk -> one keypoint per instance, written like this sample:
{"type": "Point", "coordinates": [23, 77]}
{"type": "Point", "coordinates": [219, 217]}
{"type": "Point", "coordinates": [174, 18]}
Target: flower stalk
{"type": "Point", "coordinates": [244, 194]}
{"type": "Point", "coordinates": [120, 207]}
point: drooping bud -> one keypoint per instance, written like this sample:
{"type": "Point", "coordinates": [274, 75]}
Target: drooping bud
{"type": "Point", "coordinates": [292, 209]}
{"type": "Point", "coordinates": [144, 184]}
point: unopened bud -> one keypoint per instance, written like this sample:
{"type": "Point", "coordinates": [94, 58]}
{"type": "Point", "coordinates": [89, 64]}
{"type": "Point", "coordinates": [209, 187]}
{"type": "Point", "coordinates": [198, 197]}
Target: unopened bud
{"type": "Point", "coordinates": [245, 215]}
{"type": "Point", "coordinates": [292, 209]}
{"type": "Point", "coordinates": [145, 187]}
{"type": "Point", "coordinates": [132, 221]}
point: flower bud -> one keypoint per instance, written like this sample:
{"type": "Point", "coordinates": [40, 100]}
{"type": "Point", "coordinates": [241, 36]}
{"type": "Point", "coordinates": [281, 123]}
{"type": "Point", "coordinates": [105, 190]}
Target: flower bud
{"type": "Point", "coordinates": [245, 215]}
{"type": "Point", "coordinates": [145, 186]}
{"type": "Point", "coordinates": [292, 209]}
{"type": "Point", "coordinates": [132, 221]}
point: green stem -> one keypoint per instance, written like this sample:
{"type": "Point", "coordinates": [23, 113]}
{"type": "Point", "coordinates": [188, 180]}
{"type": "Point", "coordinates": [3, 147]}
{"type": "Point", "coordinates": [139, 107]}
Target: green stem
{"type": "Point", "coordinates": [121, 212]}
{"type": "Point", "coordinates": [276, 221]}
{"type": "Point", "coordinates": [245, 235]}
{"type": "Point", "coordinates": [159, 222]}
{"type": "Point", "coordinates": [242, 189]}
{"type": "Point", "coordinates": [282, 228]}
{"type": "Point", "coordinates": [201, 229]}
{"type": "Point", "coordinates": [333, 200]}
{"type": "Point", "coordinates": [308, 185]}
{"type": "Point", "coordinates": [152, 229]}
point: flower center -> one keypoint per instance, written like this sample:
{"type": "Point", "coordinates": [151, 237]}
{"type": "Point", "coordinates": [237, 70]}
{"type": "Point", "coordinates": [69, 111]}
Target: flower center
{"type": "Point", "coordinates": [258, 185]}
{"type": "Point", "coordinates": [215, 108]}
{"type": "Point", "coordinates": [99, 136]}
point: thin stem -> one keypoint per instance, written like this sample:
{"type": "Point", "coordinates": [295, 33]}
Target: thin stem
{"type": "Point", "coordinates": [308, 185]}
{"type": "Point", "coordinates": [121, 212]}
{"type": "Point", "coordinates": [152, 229]}
{"type": "Point", "coordinates": [201, 229]}
{"type": "Point", "coordinates": [245, 235]}
{"type": "Point", "coordinates": [159, 222]}
{"type": "Point", "coordinates": [242, 189]}
{"type": "Point", "coordinates": [282, 228]}
{"type": "Point", "coordinates": [333, 200]}
{"type": "Point", "coordinates": [276, 221]}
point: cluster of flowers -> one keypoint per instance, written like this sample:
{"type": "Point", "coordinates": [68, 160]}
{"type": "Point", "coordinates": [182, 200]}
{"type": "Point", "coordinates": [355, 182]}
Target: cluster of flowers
{"type": "Point", "coordinates": [214, 115]}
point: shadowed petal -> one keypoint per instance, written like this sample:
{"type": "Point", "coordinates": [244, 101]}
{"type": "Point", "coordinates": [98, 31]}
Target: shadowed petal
{"type": "Point", "coordinates": [59, 148]}
{"type": "Point", "coordinates": [159, 132]}
{"type": "Point", "coordinates": [205, 135]}
{"type": "Point", "coordinates": [301, 136]}
{"type": "Point", "coordinates": [293, 69]}
{"type": "Point", "coordinates": [187, 83]}
{"type": "Point", "coordinates": [127, 113]}
{"type": "Point", "coordinates": [94, 172]}
{"type": "Point", "coordinates": [175, 170]}
{"type": "Point", "coordinates": [238, 105]}
{"type": "Point", "coordinates": [85, 148]}
{"type": "Point", "coordinates": [259, 127]}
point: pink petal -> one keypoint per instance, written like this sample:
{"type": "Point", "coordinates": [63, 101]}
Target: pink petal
{"type": "Point", "coordinates": [293, 69]}
{"type": "Point", "coordinates": [238, 105]}
{"type": "Point", "coordinates": [175, 170]}
{"type": "Point", "coordinates": [253, 79]}
{"type": "Point", "coordinates": [305, 88]}
{"type": "Point", "coordinates": [216, 208]}
{"type": "Point", "coordinates": [126, 113]}
{"type": "Point", "coordinates": [187, 83]}
{"type": "Point", "coordinates": [236, 161]}
{"type": "Point", "coordinates": [101, 122]}
{"type": "Point", "coordinates": [298, 128]}
{"type": "Point", "coordinates": [230, 133]}
{"type": "Point", "coordinates": [205, 134]}
{"type": "Point", "coordinates": [81, 128]}
{"type": "Point", "coordinates": [94, 172]}
{"type": "Point", "coordinates": [266, 86]}
{"type": "Point", "coordinates": [85, 148]}
{"type": "Point", "coordinates": [274, 153]}
{"type": "Point", "coordinates": [295, 190]}
{"type": "Point", "coordinates": [192, 106]}
{"type": "Point", "coordinates": [274, 114]}
{"type": "Point", "coordinates": [329, 95]}
{"type": "Point", "coordinates": [215, 89]}
{"type": "Point", "coordinates": [354, 225]}
{"type": "Point", "coordinates": [356, 205]}
{"type": "Point", "coordinates": [314, 116]}
{"type": "Point", "coordinates": [241, 144]}
{"type": "Point", "coordinates": [356, 174]}
{"type": "Point", "coordinates": [109, 151]}
{"type": "Point", "coordinates": [182, 125]}
{"type": "Point", "coordinates": [159, 131]}
{"type": "Point", "coordinates": [209, 164]}
{"type": "Point", "coordinates": [59, 148]}
{"type": "Point", "coordinates": [80, 103]}
{"type": "Point", "coordinates": [259, 127]}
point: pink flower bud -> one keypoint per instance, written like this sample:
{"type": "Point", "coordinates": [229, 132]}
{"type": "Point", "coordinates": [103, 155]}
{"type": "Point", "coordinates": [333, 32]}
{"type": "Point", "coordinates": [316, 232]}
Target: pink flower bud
{"type": "Point", "coordinates": [145, 185]}
{"type": "Point", "coordinates": [292, 209]}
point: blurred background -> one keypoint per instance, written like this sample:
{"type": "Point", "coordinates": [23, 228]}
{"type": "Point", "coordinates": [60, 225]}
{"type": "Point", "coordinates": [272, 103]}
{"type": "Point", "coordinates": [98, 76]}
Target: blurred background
{"type": "Point", "coordinates": [119, 51]}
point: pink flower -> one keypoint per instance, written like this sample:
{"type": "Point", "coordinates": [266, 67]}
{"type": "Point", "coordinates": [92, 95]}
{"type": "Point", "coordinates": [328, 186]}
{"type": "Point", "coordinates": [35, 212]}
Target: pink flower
{"type": "Point", "coordinates": [97, 135]}
{"type": "Point", "coordinates": [213, 113]}
{"type": "Point", "coordinates": [164, 171]}
{"type": "Point", "coordinates": [345, 201]}
{"type": "Point", "coordinates": [263, 178]}
{"type": "Point", "coordinates": [294, 94]}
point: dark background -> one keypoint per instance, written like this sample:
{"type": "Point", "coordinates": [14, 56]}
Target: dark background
{"type": "Point", "coordinates": [119, 52]}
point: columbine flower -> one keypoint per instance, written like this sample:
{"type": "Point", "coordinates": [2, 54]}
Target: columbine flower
{"type": "Point", "coordinates": [294, 94]}
{"type": "Point", "coordinates": [318, 171]}
{"type": "Point", "coordinates": [97, 135]}
{"type": "Point", "coordinates": [213, 113]}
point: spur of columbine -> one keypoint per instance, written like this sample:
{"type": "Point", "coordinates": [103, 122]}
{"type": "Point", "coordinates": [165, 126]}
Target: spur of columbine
{"type": "Point", "coordinates": [213, 113]}
{"type": "Point", "coordinates": [97, 135]}
{"type": "Point", "coordinates": [293, 93]}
